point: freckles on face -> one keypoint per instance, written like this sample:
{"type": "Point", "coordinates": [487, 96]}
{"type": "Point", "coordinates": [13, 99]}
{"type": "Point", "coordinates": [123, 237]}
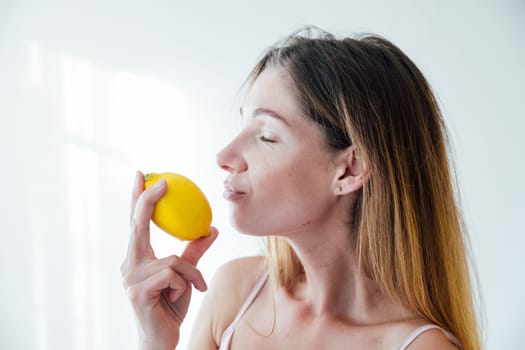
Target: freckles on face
{"type": "Point", "coordinates": [288, 189]}
{"type": "Point", "coordinates": [280, 160]}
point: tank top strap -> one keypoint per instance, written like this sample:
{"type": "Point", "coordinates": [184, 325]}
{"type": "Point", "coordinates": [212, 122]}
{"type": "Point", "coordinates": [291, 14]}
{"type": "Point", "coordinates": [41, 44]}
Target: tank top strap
{"type": "Point", "coordinates": [420, 330]}
{"type": "Point", "coordinates": [228, 333]}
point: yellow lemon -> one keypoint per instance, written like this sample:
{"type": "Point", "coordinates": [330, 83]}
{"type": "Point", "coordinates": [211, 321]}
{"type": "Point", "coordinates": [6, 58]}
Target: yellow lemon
{"type": "Point", "coordinates": [183, 211]}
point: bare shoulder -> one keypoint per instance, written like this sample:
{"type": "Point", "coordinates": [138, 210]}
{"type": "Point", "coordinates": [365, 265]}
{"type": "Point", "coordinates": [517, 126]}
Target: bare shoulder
{"type": "Point", "coordinates": [230, 286]}
{"type": "Point", "coordinates": [232, 283]}
{"type": "Point", "coordinates": [432, 339]}
{"type": "Point", "coordinates": [238, 276]}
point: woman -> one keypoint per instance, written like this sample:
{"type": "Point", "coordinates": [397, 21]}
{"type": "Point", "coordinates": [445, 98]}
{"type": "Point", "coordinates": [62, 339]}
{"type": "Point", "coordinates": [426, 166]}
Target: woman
{"type": "Point", "coordinates": [342, 166]}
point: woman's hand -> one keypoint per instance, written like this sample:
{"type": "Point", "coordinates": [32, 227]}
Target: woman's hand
{"type": "Point", "coordinates": [159, 289]}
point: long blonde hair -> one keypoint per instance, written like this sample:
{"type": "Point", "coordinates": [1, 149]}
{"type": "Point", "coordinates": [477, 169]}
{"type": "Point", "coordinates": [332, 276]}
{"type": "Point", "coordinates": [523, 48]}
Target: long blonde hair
{"type": "Point", "coordinates": [407, 226]}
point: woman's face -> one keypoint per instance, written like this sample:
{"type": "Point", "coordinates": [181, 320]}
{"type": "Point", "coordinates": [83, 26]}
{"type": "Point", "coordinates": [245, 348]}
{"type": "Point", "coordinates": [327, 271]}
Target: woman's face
{"type": "Point", "coordinates": [280, 173]}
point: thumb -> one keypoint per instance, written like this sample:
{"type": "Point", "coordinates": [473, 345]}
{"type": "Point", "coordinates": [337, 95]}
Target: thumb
{"type": "Point", "coordinates": [196, 249]}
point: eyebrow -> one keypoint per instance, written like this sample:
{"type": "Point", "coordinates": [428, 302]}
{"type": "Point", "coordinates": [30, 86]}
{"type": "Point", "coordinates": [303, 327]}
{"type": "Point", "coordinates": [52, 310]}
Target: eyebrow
{"type": "Point", "coordinates": [265, 111]}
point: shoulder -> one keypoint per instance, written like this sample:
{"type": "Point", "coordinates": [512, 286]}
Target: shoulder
{"type": "Point", "coordinates": [236, 278]}
{"type": "Point", "coordinates": [229, 288]}
{"type": "Point", "coordinates": [239, 272]}
{"type": "Point", "coordinates": [432, 339]}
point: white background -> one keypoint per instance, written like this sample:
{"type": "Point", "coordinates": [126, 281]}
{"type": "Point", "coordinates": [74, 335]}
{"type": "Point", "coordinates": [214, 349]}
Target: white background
{"type": "Point", "coordinates": [89, 93]}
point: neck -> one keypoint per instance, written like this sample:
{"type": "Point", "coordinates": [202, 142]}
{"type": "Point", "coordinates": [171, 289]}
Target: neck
{"type": "Point", "coordinates": [333, 284]}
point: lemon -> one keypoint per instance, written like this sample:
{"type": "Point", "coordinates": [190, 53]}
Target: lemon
{"type": "Point", "coordinates": [183, 211]}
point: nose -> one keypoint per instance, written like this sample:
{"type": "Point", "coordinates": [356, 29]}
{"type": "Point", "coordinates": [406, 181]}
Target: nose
{"type": "Point", "coordinates": [230, 159]}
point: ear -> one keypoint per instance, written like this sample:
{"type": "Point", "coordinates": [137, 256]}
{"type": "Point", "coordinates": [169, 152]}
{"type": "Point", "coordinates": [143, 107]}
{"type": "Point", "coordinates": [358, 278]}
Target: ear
{"type": "Point", "coordinates": [350, 172]}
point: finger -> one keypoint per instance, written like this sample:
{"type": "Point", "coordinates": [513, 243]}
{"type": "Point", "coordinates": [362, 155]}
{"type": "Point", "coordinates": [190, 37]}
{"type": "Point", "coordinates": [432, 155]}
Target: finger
{"type": "Point", "coordinates": [174, 294]}
{"type": "Point", "coordinates": [137, 189]}
{"type": "Point", "coordinates": [139, 245]}
{"type": "Point", "coordinates": [187, 271]}
{"type": "Point", "coordinates": [148, 291]}
{"type": "Point", "coordinates": [196, 249]}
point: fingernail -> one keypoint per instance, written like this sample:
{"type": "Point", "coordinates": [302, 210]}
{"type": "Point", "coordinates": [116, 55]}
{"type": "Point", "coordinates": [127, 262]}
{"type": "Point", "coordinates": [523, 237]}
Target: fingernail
{"type": "Point", "coordinates": [202, 287]}
{"type": "Point", "coordinates": [159, 184]}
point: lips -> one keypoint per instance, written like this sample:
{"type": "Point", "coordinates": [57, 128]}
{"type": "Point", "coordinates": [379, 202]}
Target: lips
{"type": "Point", "coordinates": [231, 192]}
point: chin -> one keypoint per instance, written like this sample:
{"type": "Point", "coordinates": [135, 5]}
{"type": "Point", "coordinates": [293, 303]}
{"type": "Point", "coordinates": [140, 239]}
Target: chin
{"type": "Point", "coordinates": [248, 228]}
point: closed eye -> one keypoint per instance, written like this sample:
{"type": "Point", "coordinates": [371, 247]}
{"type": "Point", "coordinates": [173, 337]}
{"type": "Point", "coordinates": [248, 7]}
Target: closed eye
{"type": "Point", "coordinates": [264, 139]}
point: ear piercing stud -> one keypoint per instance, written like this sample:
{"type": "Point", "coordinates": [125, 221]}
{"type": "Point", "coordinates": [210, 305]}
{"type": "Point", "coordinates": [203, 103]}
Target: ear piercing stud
{"type": "Point", "coordinates": [339, 188]}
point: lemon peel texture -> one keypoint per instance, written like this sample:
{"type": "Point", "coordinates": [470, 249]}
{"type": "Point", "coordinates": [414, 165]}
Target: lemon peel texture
{"type": "Point", "coordinates": [183, 211]}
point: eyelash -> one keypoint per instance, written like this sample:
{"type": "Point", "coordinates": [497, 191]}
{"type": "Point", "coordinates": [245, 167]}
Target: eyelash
{"type": "Point", "coordinates": [264, 139]}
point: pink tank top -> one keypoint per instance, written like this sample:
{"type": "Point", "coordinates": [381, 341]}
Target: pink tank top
{"type": "Point", "coordinates": [228, 333]}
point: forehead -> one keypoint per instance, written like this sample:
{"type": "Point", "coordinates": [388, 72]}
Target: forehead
{"type": "Point", "coordinates": [273, 90]}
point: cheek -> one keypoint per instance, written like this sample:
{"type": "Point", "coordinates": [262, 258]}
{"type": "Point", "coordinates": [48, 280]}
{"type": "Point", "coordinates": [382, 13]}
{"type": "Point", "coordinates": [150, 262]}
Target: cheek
{"type": "Point", "coordinates": [283, 200]}
{"type": "Point", "coordinates": [278, 186]}
{"type": "Point", "coordinates": [272, 195]}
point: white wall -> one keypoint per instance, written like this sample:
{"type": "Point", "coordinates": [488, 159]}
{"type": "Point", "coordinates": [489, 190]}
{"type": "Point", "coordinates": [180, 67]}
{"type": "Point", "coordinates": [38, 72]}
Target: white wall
{"type": "Point", "coordinates": [90, 93]}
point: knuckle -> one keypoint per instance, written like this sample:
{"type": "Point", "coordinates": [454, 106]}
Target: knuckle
{"type": "Point", "coordinates": [169, 273]}
{"type": "Point", "coordinates": [174, 261]}
{"type": "Point", "coordinates": [134, 294]}
{"type": "Point", "coordinates": [126, 281]}
{"type": "Point", "coordinates": [123, 268]}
